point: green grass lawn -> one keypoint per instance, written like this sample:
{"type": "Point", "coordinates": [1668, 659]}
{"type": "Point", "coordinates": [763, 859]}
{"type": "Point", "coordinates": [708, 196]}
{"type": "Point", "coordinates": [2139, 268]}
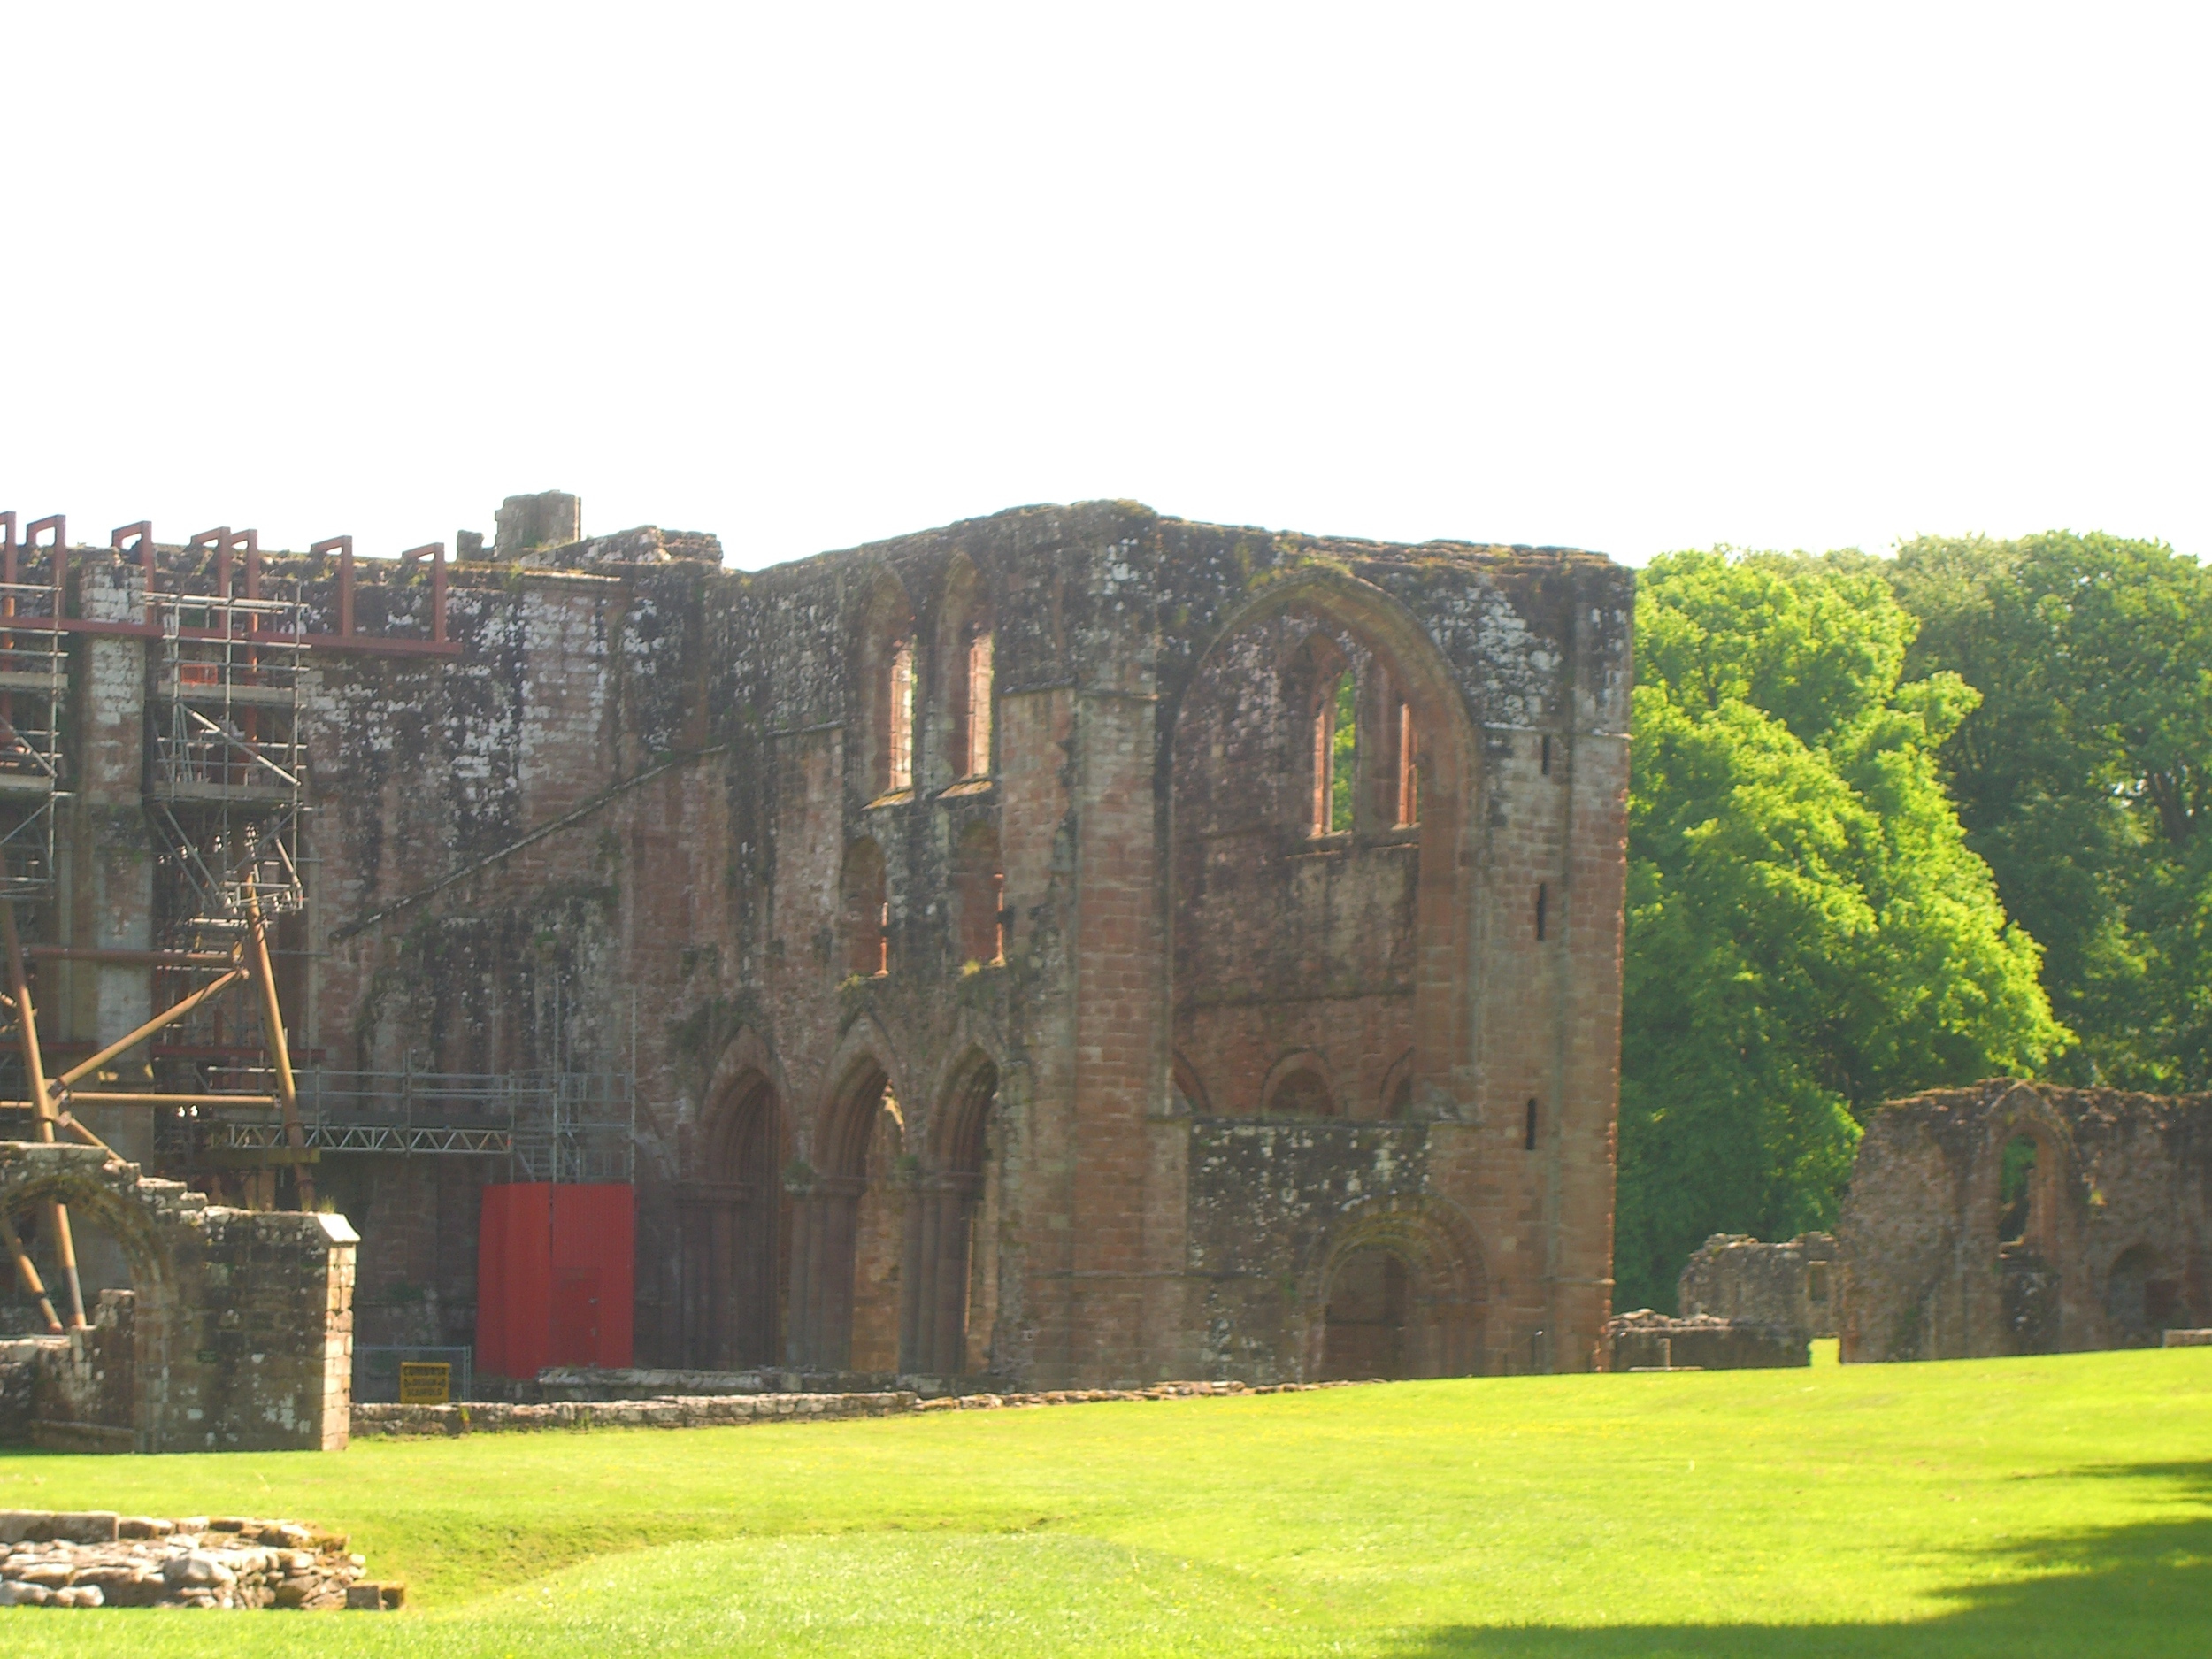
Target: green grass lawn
{"type": "Point", "coordinates": [2010, 1508]}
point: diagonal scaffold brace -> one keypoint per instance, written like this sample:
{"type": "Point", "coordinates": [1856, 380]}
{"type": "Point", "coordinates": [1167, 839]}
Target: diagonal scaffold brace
{"type": "Point", "coordinates": [272, 1032]}
{"type": "Point", "coordinates": [42, 1104]}
{"type": "Point", "coordinates": [49, 1097]}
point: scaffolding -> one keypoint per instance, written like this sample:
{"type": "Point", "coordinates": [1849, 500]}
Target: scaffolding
{"type": "Point", "coordinates": [223, 787]}
{"type": "Point", "coordinates": [562, 1126]}
{"type": "Point", "coordinates": [228, 772]}
{"type": "Point", "coordinates": [225, 790]}
{"type": "Point", "coordinates": [33, 687]}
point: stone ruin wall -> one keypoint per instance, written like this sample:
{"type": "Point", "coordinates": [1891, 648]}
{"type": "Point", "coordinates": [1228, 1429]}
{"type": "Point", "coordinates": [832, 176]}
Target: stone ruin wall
{"type": "Point", "coordinates": [1645, 1341]}
{"type": "Point", "coordinates": [711, 895]}
{"type": "Point", "coordinates": [1051, 1203]}
{"type": "Point", "coordinates": [2114, 1242]}
{"type": "Point", "coordinates": [1791, 1286]}
{"type": "Point", "coordinates": [237, 1335]}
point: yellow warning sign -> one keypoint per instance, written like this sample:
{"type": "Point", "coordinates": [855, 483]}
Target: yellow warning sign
{"type": "Point", "coordinates": [422, 1383]}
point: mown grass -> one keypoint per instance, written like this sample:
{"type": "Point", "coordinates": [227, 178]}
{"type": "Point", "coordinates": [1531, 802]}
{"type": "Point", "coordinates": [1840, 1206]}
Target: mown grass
{"type": "Point", "coordinates": [2014, 1508]}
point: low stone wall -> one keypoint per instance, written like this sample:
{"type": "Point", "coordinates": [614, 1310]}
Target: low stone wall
{"type": "Point", "coordinates": [1645, 1341]}
{"type": "Point", "coordinates": [1789, 1286]}
{"type": "Point", "coordinates": [581, 1382]}
{"type": "Point", "coordinates": [85, 1399]}
{"type": "Point", "coordinates": [239, 1336]}
{"type": "Point", "coordinates": [21, 1359]}
{"type": "Point", "coordinates": [700, 1411]}
{"type": "Point", "coordinates": [98, 1558]}
{"type": "Point", "coordinates": [2188, 1339]}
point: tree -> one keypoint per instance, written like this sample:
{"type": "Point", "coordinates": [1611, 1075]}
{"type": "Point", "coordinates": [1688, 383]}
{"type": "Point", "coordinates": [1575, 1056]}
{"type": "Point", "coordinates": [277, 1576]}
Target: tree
{"type": "Point", "coordinates": [2085, 777]}
{"type": "Point", "coordinates": [1809, 934]}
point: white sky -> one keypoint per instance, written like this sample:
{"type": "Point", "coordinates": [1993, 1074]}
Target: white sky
{"type": "Point", "coordinates": [1628, 278]}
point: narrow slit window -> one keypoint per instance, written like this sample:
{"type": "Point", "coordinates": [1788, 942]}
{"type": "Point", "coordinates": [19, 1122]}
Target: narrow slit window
{"type": "Point", "coordinates": [976, 727]}
{"type": "Point", "coordinates": [1317, 817]}
{"type": "Point", "coordinates": [1409, 767]}
{"type": "Point", "coordinates": [1335, 756]}
{"type": "Point", "coordinates": [2015, 1190]}
{"type": "Point", "coordinates": [1544, 757]}
{"type": "Point", "coordinates": [1528, 1129]}
{"type": "Point", "coordinates": [1343, 754]}
{"type": "Point", "coordinates": [1541, 896]}
{"type": "Point", "coordinates": [899, 728]}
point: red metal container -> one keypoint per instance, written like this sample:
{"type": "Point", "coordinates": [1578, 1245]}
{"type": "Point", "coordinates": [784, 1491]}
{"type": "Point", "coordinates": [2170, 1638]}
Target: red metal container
{"type": "Point", "coordinates": [555, 1271]}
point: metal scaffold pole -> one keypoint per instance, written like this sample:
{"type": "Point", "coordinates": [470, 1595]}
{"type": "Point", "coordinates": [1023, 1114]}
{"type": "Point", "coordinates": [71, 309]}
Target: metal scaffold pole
{"type": "Point", "coordinates": [27, 1271]}
{"type": "Point", "coordinates": [42, 1105]}
{"type": "Point", "coordinates": [280, 1050]}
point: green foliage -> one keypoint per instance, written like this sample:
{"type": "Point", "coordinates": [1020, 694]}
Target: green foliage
{"type": "Point", "coordinates": [2027, 1507]}
{"type": "Point", "coordinates": [2016, 1170]}
{"type": "Point", "coordinates": [2015, 1179]}
{"type": "Point", "coordinates": [2084, 776]}
{"type": "Point", "coordinates": [1343, 753]}
{"type": "Point", "coordinates": [1809, 934]}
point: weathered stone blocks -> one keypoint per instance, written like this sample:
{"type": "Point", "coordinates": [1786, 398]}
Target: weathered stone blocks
{"type": "Point", "coordinates": [237, 1335]}
{"type": "Point", "coordinates": [2016, 1217]}
{"type": "Point", "coordinates": [101, 1559]}
{"type": "Point", "coordinates": [1645, 1341]}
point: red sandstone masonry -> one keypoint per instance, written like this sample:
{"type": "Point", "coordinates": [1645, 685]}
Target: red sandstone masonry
{"type": "Point", "coordinates": [710, 899]}
{"type": "Point", "coordinates": [703, 1411]}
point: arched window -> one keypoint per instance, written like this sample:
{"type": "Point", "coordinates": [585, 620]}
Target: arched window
{"type": "Point", "coordinates": [898, 724]}
{"type": "Point", "coordinates": [2015, 1190]}
{"type": "Point", "coordinates": [886, 656]}
{"type": "Point", "coordinates": [1335, 754]}
{"type": "Point", "coordinates": [866, 905]}
{"type": "Point", "coordinates": [962, 670]}
{"type": "Point", "coordinates": [1304, 1093]}
{"type": "Point", "coordinates": [978, 896]}
{"type": "Point", "coordinates": [972, 719]}
{"type": "Point", "coordinates": [1408, 768]}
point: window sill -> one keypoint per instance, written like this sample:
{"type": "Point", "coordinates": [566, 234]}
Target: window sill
{"type": "Point", "coordinates": [1348, 840]}
{"type": "Point", "coordinates": [896, 797]}
{"type": "Point", "coordinates": [967, 788]}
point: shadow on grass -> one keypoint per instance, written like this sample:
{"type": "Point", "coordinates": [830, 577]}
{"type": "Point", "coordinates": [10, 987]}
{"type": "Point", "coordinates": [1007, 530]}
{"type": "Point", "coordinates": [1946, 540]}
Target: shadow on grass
{"type": "Point", "coordinates": [2127, 1590]}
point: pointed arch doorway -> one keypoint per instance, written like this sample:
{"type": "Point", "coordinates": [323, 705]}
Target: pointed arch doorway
{"type": "Point", "coordinates": [735, 1235]}
{"type": "Point", "coordinates": [951, 1307]}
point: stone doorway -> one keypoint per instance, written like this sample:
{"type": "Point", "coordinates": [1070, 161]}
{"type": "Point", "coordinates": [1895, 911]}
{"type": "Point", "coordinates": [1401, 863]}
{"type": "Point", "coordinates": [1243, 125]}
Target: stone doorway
{"type": "Point", "coordinates": [1364, 1331]}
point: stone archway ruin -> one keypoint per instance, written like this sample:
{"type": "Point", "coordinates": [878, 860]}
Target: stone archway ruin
{"type": "Point", "coordinates": [1954, 1250]}
{"type": "Point", "coordinates": [238, 1335]}
{"type": "Point", "coordinates": [1397, 1293]}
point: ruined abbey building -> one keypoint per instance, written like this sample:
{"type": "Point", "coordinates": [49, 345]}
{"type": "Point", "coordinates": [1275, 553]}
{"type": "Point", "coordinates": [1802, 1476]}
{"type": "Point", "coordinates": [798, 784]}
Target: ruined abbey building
{"type": "Point", "coordinates": [1076, 946]}
{"type": "Point", "coordinates": [2016, 1218]}
{"type": "Point", "coordinates": [2011, 1218]}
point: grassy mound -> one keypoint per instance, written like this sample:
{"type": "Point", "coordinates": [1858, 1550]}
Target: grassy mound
{"type": "Point", "coordinates": [2012, 1508]}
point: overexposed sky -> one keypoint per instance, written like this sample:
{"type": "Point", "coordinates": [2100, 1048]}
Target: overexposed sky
{"type": "Point", "coordinates": [1623, 277]}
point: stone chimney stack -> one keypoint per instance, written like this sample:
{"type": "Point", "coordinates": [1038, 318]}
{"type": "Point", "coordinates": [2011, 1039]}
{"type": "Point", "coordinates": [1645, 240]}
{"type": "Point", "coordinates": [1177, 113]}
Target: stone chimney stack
{"type": "Point", "coordinates": [527, 523]}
